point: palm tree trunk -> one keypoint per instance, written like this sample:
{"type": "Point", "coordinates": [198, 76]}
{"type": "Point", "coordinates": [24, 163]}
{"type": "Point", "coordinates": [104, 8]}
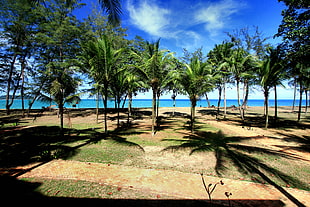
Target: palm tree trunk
{"type": "Point", "coordinates": [245, 98]}
{"type": "Point", "coordinates": [97, 107]}
{"type": "Point", "coordinates": [154, 110]}
{"type": "Point", "coordinates": [295, 89]}
{"type": "Point", "coordinates": [306, 109]}
{"type": "Point", "coordinates": [129, 106]}
{"type": "Point", "coordinates": [208, 102]}
{"type": "Point", "coordinates": [224, 93]}
{"type": "Point", "coordinates": [266, 94]}
{"type": "Point", "coordinates": [157, 104]}
{"type": "Point", "coordinates": [61, 114]}
{"type": "Point", "coordinates": [105, 105]}
{"type": "Point", "coordinates": [238, 96]}
{"type": "Point", "coordinates": [193, 108]}
{"type": "Point", "coordinates": [300, 102]}
{"type": "Point", "coordinates": [275, 105]}
{"type": "Point", "coordinates": [219, 101]}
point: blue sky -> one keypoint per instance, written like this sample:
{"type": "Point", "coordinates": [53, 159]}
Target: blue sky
{"type": "Point", "coordinates": [192, 24]}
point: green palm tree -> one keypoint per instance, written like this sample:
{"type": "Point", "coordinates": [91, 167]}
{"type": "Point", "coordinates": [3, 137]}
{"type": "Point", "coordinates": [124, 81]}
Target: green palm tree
{"type": "Point", "coordinates": [269, 75]}
{"type": "Point", "coordinates": [236, 64]}
{"type": "Point", "coordinates": [101, 59]}
{"type": "Point", "coordinates": [218, 58]}
{"type": "Point", "coordinates": [133, 84]}
{"type": "Point", "coordinates": [195, 81]}
{"type": "Point", "coordinates": [155, 65]}
{"type": "Point", "coordinates": [64, 90]}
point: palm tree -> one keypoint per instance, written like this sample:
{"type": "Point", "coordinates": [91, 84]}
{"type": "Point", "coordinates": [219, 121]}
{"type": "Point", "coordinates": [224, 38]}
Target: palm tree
{"type": "Point", "coordinates": [236, 63]}
{"type": "Point", "coordinates": [218, 59]}
{"type": "Point", "coordinates": [269, 75]}
{"type": "Point", "coordinates": [101, 59]}
{"type": "Point", "coordinates": [63, 90]}
{"type": "Point", "coordinates": [194, 79]}
{"type": "Point", "coordinates": [153, 69]}
{"type": "Point", "coordinates": [134, 84]}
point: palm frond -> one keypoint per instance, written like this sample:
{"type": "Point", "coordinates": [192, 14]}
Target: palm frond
{"type": "Point", "coordinates": [113, 8]}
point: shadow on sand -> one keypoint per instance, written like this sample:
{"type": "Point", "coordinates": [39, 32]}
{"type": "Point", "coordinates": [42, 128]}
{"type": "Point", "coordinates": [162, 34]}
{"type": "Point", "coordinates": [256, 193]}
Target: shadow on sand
{"type": "Point", "coordinates": [232, 148]}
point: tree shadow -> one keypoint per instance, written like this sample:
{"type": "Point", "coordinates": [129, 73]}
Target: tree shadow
{"type": "Point", "coordinates": [24, 145]}
{"type": "Point", "coordinates": [14, 190]}
{"type": "Point", "coordinates": [239, 153]}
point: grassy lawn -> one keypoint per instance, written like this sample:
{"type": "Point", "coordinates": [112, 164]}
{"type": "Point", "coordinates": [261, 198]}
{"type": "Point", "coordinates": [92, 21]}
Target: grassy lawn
{"type": "Point", "coordinates": [84, 189]}
{"type": "Point", "coordinates": [173, 147]}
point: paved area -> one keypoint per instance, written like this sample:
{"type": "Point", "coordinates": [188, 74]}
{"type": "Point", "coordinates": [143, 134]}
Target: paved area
{"type": "Point", "coordinates": [178, 184]}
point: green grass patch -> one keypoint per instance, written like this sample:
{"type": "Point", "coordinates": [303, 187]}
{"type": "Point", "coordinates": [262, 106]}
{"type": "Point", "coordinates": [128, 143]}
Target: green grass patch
{"type": "Point", "coordinates": [84, 189]}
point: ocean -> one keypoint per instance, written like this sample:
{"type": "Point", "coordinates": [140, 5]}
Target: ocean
{"type": "Point", "coordinates": [145, 103]}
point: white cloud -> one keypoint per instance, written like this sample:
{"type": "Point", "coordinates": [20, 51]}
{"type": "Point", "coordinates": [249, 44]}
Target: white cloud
{"type": "Point", "coordinates": [216, 16]}
{"type": "Point", "coordinates": [149, 17]}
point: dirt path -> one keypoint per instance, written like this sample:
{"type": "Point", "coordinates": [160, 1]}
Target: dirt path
{"type": "Point", "coordinates": [178, 184]}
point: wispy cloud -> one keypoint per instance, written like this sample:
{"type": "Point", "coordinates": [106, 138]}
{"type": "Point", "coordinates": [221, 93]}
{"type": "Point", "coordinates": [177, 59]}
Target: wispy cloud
{"type": "Point", "coordinates": [216, 16]}
{"type": "Point", "coordinates": [181, 21]}
{"type": "Point", "coordinates": [161, 22]}
{"type": "Point", "coordinates": [149, 17]}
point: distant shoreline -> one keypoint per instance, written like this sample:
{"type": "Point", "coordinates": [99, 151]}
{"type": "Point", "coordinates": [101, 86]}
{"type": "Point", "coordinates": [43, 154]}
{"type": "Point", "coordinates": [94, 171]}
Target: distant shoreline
{"type": "Point", "coordinates": [147, 103]}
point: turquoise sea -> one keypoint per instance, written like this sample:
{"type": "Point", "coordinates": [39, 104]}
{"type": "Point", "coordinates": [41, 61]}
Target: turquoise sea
{"type": "Point", "coordinates": [143, 103]}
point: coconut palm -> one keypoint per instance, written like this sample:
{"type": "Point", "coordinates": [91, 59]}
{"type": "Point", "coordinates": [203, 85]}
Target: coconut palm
{"type": "Point", "coordinates": [236, 64]}
{"type": "Point", "coordinates": [153, 69]}
{"type": "Point", "coordinates": [101, 59]}
{"type": "Point", "coordinates": [195, 81]}
{"type": "Point", "coordinates": [133, 84]}
{"type": "Point", "coordinates": [269, 75]}
{"type": "Point", "coordinates": [64, 90]}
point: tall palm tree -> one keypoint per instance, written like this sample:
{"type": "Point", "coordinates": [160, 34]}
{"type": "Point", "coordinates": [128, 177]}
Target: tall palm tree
{"type": "Point", "coordinates": [269, 75]}
{"type": "Point", "coordinates": [101, 59]}
{"type": "Point", "coordinates": [194, 79]}
{"type": "Point", "coordinates": [218, 58]}
{"type": "Point", "coordinates": [236, 63]}
{"type": "Point", "coordinates": [154, 68]}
